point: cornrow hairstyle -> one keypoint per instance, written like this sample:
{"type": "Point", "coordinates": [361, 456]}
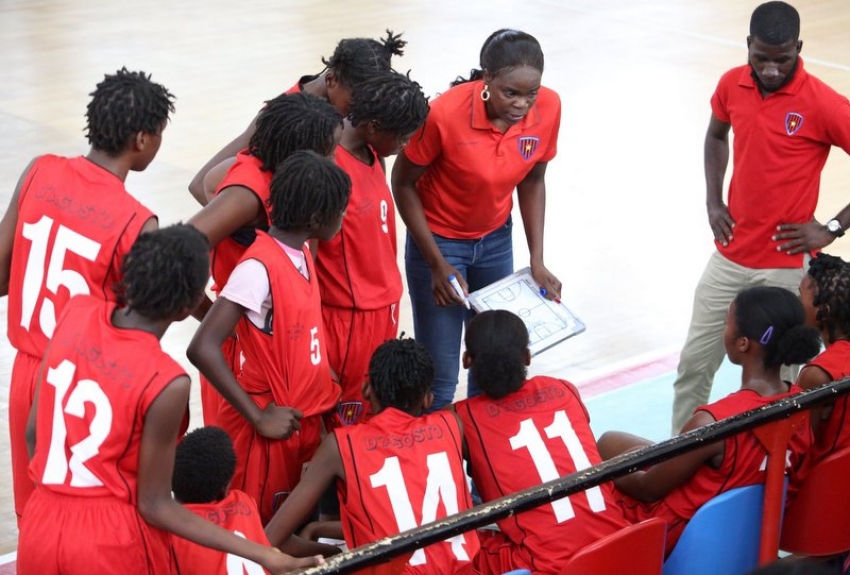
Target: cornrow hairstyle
{"type": "Point", "coordinates": [831, 276]}
{"type": "Point", "coordinates": [307, 190]}
{"type": "Point", "coordinates": [293, 122]}
{"type": "Point", "coordinates": [165, 272]}
{"type": "Point", "coordinates": [392, 100]}
{"type": "Point", "coordinates": [356, 59]}
{"type": "Point", "coordinates": [505, 49]}
{"type": "Point", "coordinates": [775, 319]}
{"type": "Point", "coordinates": [122, 105]}
{"type": "Point", "coordinates": [775, 23]}
{"type": "Point", "coordinates": [497, 343]}
{"type": "Point", "coordinates": [400, 374]}
{"type": "Point", "coordinates": [204, 464]}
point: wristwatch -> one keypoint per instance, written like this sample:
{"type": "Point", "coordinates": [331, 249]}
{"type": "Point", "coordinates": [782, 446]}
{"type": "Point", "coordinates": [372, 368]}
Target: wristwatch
{"type": "Point", "coordinates": [833, 226]}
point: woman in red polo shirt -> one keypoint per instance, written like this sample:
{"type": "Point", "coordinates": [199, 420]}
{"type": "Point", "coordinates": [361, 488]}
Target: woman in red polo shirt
{"type": "Point", "coordinates": [454, 183]}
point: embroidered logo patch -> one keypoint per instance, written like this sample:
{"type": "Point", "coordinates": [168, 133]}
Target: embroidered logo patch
{"type": "Point", "coordinates": [527, 146]}
{"type": "Point", "coordinates": [349, 412]}
{"type": "Point", "coordinates": [793, 122]}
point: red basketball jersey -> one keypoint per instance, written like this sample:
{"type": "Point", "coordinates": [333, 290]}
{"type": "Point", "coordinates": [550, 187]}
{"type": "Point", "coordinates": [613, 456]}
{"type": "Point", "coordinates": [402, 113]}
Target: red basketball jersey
{"type": "Point", "coordinates": [835, 431]}
{"type": "Point", "coordinates": [533, 435]}
{"type": "Point", "coordinates": [358, 267]}
{"type": "Point", "coordinates": [290, 361]}
{"type": "Point", "coordinates": [245, 172]}
{"type": "Point", "coordinates": [96, 387]}
{"type": "Point", "coordinates": [238, 514]}
{"type": "Point", "coordinates": [402, 472]}
{"type": "Point", "coordinates": [75, 223]}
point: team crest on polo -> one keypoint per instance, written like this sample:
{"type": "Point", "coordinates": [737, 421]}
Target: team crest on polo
{"type": "Point", "coordinates": [527, 146]}
{"type": "Point", "coordinates": [349, 412]}
{"type": "Point", "coordinates": [793, 122]}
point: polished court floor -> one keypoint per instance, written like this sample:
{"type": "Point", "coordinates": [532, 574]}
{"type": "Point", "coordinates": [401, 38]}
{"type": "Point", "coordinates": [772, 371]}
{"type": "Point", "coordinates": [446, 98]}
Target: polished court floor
{"type": "Point", "coordinates": [626, 226]}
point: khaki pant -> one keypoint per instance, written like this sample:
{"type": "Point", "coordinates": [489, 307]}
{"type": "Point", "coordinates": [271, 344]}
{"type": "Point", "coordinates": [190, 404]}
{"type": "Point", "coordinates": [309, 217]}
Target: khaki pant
{"type": "Point", "coordinates": [704, 352]}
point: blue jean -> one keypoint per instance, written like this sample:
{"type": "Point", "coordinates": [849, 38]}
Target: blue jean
{"type": "Point", "coordinates": [481, 262]}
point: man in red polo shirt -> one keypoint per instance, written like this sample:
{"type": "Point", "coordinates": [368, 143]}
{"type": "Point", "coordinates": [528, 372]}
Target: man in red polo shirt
{"type": "Point", "coordinates": [785, 123]}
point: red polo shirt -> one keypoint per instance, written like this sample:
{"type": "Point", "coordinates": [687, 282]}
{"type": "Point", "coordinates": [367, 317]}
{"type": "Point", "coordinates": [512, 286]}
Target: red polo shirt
{"type": "Point", "coordinates": [473, 168]}
{"type": "Point", "coordinates": [781, 143]}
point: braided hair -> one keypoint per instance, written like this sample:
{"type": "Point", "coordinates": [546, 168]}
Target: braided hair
{"type": "Point", "coordinates": [775, 318]}
{"type": "Point", "coordinates": [122, 105]}
{"type": "Point", "coordinates": [204, 464]}
{"type": "Point", "coordinates": [503, 49]}
{"type": "Point", "coordinates": [293, 122]}
{"type": "Point", "coordinates": [165, 272]}
{"type": "Point", "coordinates": [775, 23]}
{"type": "Point", "coordinates": [392, 101]}
{"type": "Point", "coordinates": [400, 374]}
{"type": "Point", "coordinates": [356, 59]}
{"type": "Point", "coordinates": [307, 190]}
{"type": "Point", "coordinates": [831, 276]}
{"type": "Point", "coordinates": [497, 343]}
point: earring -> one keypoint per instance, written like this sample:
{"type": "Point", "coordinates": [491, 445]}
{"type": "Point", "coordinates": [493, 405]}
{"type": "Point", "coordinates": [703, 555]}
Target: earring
{"type": "Point", "coordinates": [485, 93]}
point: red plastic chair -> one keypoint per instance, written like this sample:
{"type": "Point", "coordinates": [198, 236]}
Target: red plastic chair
{"type": "Point", "coordinates": [637, 549]}
{"type": "Point", "coordinates": [818, 520]}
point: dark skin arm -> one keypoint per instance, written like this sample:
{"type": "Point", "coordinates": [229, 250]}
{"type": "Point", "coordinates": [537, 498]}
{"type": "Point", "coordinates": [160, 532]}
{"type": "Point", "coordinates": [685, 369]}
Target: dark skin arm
{"type": "Point", "coordinates": [205, 353]}
{"type": "Point", "coordinates": [7, 233]}
{"type": "Point", "coordinates": [196, 186]}
{"type": "Point", "coordinates": [327, 529]}
{"type": "Point", "coordinates": [808, 236]}
{"type": "Point", "coordinates": [659, 480]}
{"type": "Point", "coordinates": [158, 508]}
{"type": "Point", "coordinates": [214, 178]}
{"type": "Point", "coordinates": [810, 377]}
{"type": "Point", "coordinates": [716, 160]}
{"type": "Point", "coordinates": [324, 469]}
{"type": "Point", "coordinates": [233, 208]}
{"type": "Point", "coordinates": [531, 193]}
{"type": "Point", "coordinates": [404, 177]}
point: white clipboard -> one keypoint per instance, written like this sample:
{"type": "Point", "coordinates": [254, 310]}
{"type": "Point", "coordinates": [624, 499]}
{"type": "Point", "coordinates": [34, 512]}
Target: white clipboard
{"type": "Point", "coordinates": [548, 323]}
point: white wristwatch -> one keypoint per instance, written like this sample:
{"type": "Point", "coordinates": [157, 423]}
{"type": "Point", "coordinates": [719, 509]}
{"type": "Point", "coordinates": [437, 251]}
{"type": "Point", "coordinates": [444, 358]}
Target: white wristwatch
{"type": "Point", "coordinates": [833, 226]}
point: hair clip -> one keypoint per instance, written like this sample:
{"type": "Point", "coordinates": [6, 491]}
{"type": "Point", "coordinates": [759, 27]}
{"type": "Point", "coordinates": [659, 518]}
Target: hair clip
{"type": "Point", "coordinates": [765, 338]}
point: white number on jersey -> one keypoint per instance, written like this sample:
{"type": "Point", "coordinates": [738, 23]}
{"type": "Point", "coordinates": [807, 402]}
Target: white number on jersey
{"type": "Point", "coordinates": [440, 487]}
{"type": "Point", "coordinates": [529, 437]}
{"type": "Point", "coordinates": [66, 241]}
{"type": "Point", "coordinates": [237, 565]}
{"type": "Point", "coordinates": [315, 350]}
{"type": "Point", "coordinates": [385, 212]}
{"type": "Point", "coordinates": [86, 391]}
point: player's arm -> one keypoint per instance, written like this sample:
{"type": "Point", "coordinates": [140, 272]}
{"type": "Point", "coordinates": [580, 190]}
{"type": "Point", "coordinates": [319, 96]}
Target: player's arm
{"type": "Point", "coordinates": [810, 377]}
{"type": "Point", "coordinates": [233, 208]}
{"type": "Point", "coordinates": [7, 232]}
{"type": "Point", "coordinates": [159, 509]}
{"type": "Point", "coordinates": [531, 193]}
{"type": "Point", "coordinates": [214, 177]}
{"type": "Point", "coordinates": [659, 480]}
{"type": "Point", "coordinates": [30, 434]}
{"type": "Point", "coordinates": [323, 470]}
{"type": "Point", "coordinates": [196, 186]}
{"type": "Point", "coordinates": [405, 174]}
{"type": "Point", "coordinates": [716, 160]}
{"type": "Point", "coordinates": [205, 353]}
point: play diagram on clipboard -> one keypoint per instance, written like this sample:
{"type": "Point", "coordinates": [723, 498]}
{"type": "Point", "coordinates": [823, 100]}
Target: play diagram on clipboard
{"type": "Point", "coordinates": [548, 323]}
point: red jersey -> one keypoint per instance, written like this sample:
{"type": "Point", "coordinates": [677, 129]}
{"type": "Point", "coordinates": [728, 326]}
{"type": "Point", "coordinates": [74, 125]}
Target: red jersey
{"type": "Point", "coordinates": [780, 147]}
{"type": "Point", "coordinates": [238, 514]}
{"type": "Point", "coordinates": [834, 433]}
{"type": "Point", "coordinates": [473, 168]}
{"type": "Point", "coordinates": [533, 435]}
{"type": "Point", "coordinates": [743, 464]}
{"type": "Point", "coordinates": [97, 385]}
{"type": "Point", "coordinates": [402, 472]}
{"type": "Point", "coordinates": [75, 223]}
{"type": "Point", "coordinates": [290, 362]}
{"type": "Point", "coordinates": [246, 172]}
{"type": "Point", "coordinates": [358, 267]}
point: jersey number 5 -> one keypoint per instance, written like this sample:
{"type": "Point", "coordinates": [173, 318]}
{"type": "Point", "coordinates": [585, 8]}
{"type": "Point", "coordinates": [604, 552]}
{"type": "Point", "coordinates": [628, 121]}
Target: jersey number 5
{"type": "Point", "coordinates": [66, 241]}
{"type": "Point", "coordinates": [529, 437]}
{"type": "Point", "coordinates": [440, 487]}
{"type": "Point", "coordinates": [86, 391]}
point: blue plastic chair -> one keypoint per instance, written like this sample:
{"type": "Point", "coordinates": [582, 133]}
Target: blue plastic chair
{"type": "Point", "coordinates": [723, 537]}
